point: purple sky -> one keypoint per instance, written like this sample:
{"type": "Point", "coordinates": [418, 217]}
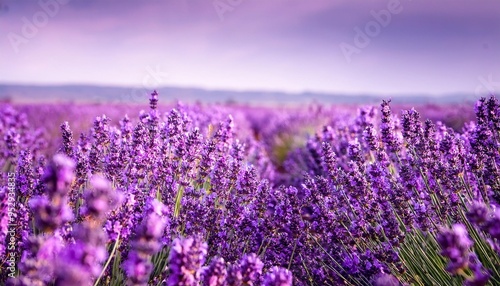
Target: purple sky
{"type": "Point", "coordinates": [427, 46]}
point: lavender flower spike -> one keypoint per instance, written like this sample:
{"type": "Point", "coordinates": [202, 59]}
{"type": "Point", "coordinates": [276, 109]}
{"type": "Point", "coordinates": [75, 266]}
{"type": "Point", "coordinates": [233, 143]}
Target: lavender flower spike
{"type": "Point", "coordinates": [186, 258]}
{"type": "Point", "coordinates": [455, 244]}
{"type": "Point", "coordinates": [278, 276]}
{"type": "Point", "coordinates": [215, 274]}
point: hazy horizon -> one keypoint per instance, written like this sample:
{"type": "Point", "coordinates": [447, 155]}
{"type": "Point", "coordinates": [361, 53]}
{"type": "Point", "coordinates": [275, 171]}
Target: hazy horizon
{"type": "Point", "coordinates": [242, 90]}
{"type": "Point", "coordinates": [377, 47]}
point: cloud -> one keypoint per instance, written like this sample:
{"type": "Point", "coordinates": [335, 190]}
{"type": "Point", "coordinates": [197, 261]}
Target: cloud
{"type": "Point", "coordinates": [281, 45]}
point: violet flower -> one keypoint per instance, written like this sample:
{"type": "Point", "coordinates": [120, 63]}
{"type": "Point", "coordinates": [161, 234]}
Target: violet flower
{"type": "Point", "coordinates": [215, 274]}
{"type": "Point", "coordinates": [187, 255]}
{"type": "Point", "coordinates": [146, 243]}
{"type": "Point", "coordinates": [455, 245]}
{"type": "Point", "coordinates": [277, 276]}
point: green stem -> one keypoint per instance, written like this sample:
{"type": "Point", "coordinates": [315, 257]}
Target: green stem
{"type": "Point", "coordinates": [109, 259]}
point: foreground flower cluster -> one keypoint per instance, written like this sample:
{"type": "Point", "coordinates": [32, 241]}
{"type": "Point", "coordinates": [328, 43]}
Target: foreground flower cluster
{"type": "Point", "coordinates": [200, 196]}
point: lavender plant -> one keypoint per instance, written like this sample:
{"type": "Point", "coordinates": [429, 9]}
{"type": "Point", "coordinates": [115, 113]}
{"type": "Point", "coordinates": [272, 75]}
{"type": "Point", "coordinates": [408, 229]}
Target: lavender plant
{"type": "Point", "coordinates": [218, 195]}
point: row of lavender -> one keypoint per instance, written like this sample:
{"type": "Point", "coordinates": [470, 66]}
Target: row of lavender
{"type": "Point", "coordinates": [188, 197]}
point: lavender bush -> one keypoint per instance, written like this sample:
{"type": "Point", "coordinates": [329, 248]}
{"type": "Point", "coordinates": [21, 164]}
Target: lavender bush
{"type": "Point", "coordinates": [218, 195]}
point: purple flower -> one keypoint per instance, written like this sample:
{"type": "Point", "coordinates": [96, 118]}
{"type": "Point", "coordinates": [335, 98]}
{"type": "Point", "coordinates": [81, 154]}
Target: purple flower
{"type": "Point", "coordinates": [12, 141]}
{"type": "Point", "coordinates": [234, 276]}
{"type": "Point", "coordinates": [480, 276]}
{"type": "Point", "coordinates": [186, 258]}
{"type": "Point", "coordinates": [278, 277]}
{"type": "Point", "coordinates": [37, 264]}
{"type": "Point", "coordinates": [455, 244]}
{"type": "Point", "coordinates": [487, 220]}
{"type": "Point", "coordinates": [388, 134]}
{"type": "Point", "coordinates": [67, 137]}
{"type": "Point", "coordinates": [72, 274]}
{"type": "Point", "coordinates": [493, 224]}
{"type": "Point", "coordinates": [385, 279]}
{"type": "Point", "coordinates": [153, 100]}
{"type": "Point", "coordinates": [478, 213]}
{"type": "Point", "coordinates": [24, 174]}
{"type": "Point", "coordinates": [81, 262]}
{"type": "Point", "coordinates": [251, 268]}
{"type": "Point", "coordinates": [50, 214]}
{"type": "Point", "coordinates": [137, 268]}
{"type": "Point", "coordinates": [100, 198]}
{"type": "Point", "coordinates": [59, 175]}
{"type": "Point", "coordinates": [151, 229]}
{"type": "Point", "coordinates": [215, 274]}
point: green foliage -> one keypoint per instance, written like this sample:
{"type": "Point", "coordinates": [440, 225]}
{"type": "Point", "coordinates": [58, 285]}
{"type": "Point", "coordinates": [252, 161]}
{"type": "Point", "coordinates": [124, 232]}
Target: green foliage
{"type": "Point", "coordinates": [425, 266]}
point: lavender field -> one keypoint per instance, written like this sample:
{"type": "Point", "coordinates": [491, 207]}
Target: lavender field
{"type": "Point", "coordinates": [193, 194]}
{"type": "Point", "coordinates": [249, 143]}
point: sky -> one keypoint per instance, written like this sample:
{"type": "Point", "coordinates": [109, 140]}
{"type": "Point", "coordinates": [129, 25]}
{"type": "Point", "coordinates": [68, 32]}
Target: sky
{"type": "Point", "coordinates": [372, 47]}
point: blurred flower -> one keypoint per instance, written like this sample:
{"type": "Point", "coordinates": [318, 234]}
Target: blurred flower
{"type": "Point", "coordinates": [386, 280]}
{"type": "Point", "coordinates": [187, 255]}
{"type": "Point", "coordinates": [215, 274]}
{"type": "Point", "coordinates": [455, 244]}
{"type": "Point", "coordinates": [278, 277]}
{"type": "Point", "coordinates": [100, 198]}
